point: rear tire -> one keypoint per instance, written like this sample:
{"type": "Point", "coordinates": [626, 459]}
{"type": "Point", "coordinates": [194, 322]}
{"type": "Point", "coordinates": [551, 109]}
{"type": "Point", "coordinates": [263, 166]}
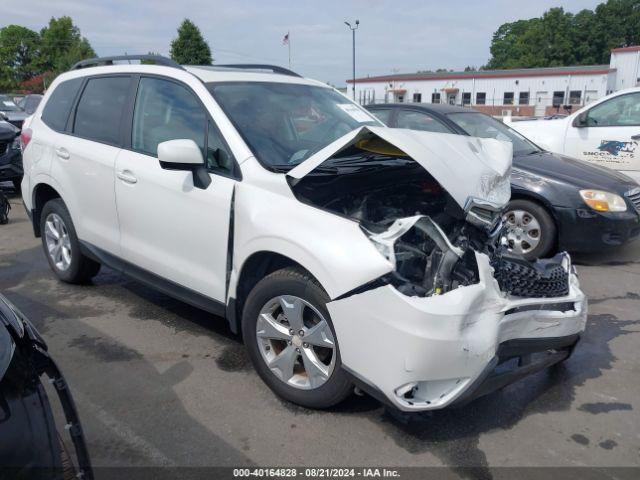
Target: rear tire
{"type": "Point", "coordinates": [531, 230]}
{"type": "Point", "coordinates": [305, 385]}
{"type": "Point", "coordinates": [17, 185]}
{"type": "Point", "coordinates": [61, 245]}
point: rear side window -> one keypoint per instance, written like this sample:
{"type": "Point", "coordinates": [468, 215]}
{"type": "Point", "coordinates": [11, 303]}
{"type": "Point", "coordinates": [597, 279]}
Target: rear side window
{"type": "Point", "coordinates": [165, 111]}
{"type": "Point", "coordinates": [420, 121]}
{"type": "Point", "coordinates": [56, 111]}
{"type": "Point", "coordinates": [384, 115]}
{"type": "Point", "coordinates": [99, 112]}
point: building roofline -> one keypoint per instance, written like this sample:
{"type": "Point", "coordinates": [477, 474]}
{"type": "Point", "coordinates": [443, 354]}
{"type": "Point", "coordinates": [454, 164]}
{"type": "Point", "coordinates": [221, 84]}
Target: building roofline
{"type": "Point", "coordinates": [633, 48]}
{"type": "Point", "coordinates": [520, 72]}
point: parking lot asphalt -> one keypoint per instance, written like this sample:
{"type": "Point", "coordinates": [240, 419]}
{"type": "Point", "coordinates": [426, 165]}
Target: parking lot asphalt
{"type": "Point", "coordinates": [161, 383]}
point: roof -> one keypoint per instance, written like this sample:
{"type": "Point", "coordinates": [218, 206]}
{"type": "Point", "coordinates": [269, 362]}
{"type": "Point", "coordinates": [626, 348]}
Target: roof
{"type": "Point", "coordinates": [443, 108]}
{"type": "Point", "coordinates": [515, 72]}
{"type": "Point", "coordinates": [633, 48]}
{"type": "Point", "coordinates": [204, 73]}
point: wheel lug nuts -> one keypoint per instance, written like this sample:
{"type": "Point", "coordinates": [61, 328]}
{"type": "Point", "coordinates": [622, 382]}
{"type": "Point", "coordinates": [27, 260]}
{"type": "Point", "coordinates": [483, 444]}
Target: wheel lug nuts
{"type": "Point", "coordinates": [305, 345]}
{"type": "Point", "coordinates": [301, 333]}
{"type": "Point", "coordinates": [289, 342]}
{"type": "Point", "coordinates": [292, 331]}
{"type": "Point", "coordinates": [298, 350]}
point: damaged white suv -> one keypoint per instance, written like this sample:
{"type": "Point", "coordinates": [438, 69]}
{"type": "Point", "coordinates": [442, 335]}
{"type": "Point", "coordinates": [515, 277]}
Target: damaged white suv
{"type": "Point", "coordinates": [345, 253]}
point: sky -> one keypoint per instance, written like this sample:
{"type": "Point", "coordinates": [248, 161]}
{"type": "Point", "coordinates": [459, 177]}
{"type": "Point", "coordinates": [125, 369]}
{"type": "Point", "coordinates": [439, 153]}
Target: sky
{"type": "Point", "coordinates": [393, 36]}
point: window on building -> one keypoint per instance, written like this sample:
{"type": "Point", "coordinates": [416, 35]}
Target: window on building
{"type": "Point", "coordinates": [508, 98]}
{"type": "Point", "coordinates": [435, 98]}
{"type": "Point", "coordinates": [558, 99]}
{"type": "Point", "coordinates": [99, 111]}
{"type": "Point", "coordinates": [165, 111]}
{"type": "Point", "coordinates": [56, 111]}
{"type": "Point", "coordinates": [481, 98]}
{"type": "Point", "coordinates": [420, 121]}
{"type": "Point", "coordinates": [417, 97]}
{"type": "Point", "coordinates": [466, 98]}
{"type": "Point", "coordinates": [523, 99]}
{"type": "Point", "coordinates": [574, 97]}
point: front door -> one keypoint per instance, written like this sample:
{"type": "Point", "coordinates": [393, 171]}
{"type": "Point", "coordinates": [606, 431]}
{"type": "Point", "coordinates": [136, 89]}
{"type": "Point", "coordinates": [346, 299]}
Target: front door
{"type": "Point", "coordinates": [169, 227]}
{"type": "Point", "coordinates": [611, 137]}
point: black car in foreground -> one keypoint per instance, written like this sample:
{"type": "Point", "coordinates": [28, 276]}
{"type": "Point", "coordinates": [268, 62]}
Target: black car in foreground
{"type": "Point", "coordinates": [31, 447]}
{"type": "Point", "coordinates": [10, 154]}
{"type": "Point", "coordinates": [557, 203]}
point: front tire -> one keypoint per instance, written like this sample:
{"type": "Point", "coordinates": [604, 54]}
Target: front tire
{"type": "Point", "coordinates": [61, 245]}
{"type": "Point", "coordinates": [291, 340]}
{"type": "Point", "coordinates": [531, 232]}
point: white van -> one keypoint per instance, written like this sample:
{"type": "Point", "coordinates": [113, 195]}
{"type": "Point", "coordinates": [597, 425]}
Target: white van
{"type": "Point", "coordinates": [606, 132]}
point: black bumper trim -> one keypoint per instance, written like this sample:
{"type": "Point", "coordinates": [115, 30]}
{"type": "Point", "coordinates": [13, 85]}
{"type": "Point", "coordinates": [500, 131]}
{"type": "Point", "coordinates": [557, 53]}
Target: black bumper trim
{"type": "Point", "coordinates": [494, 378]}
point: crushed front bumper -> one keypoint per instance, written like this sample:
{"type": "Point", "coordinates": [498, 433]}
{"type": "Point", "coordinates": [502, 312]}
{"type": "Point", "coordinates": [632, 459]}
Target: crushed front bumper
{"type": "Point", "coordinates": [425, 353]}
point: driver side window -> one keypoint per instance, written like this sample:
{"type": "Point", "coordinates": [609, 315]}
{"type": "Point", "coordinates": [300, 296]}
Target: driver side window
{"type": "Point", "coordinates": [622, 111]}
{"type": "Point", "coordinates": [165, 110]}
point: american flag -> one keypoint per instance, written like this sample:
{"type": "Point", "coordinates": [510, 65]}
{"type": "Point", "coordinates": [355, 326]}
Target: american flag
{"type": "Point", "coordinates": [285, 40]}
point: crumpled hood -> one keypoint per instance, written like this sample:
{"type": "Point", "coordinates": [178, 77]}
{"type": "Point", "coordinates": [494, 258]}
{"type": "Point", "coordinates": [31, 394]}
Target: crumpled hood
{"type": "Point", "coordinates": [469, 168]}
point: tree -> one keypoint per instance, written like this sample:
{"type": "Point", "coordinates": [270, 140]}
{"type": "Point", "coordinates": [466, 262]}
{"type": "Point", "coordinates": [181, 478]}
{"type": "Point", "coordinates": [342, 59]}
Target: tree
{"type": "Point", "coordinates": [62, 45]}
{"type": "Point", "coordinates": [19, 49]}
{"type": "Point", "coordinates": [190, 48]}
{"type": "Point", "coordinates": [562, 38]}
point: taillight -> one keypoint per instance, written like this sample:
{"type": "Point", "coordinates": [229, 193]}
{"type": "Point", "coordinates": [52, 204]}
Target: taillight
{"type": "Point", "coordinates": [25, 138]}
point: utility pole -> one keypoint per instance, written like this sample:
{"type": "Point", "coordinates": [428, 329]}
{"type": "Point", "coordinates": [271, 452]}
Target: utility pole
{"type": "Point", "coordinates": [353, 36]}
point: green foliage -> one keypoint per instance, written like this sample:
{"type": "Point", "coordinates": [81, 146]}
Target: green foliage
{"type": "Point", "coordinates": [561, 38]}
{"type": "Point", "coordinates": [25, 54]}
{"type": "Point", "coordinates": [190, 48]}
{"type": "Point", "coordinates": [61, 45]}
{"type": "Point", "coordinates": [18, 55]}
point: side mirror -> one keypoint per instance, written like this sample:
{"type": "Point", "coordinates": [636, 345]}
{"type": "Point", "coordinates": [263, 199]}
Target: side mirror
{"type": "Point", "coordinates": [3, 116]}
{"type": "Point", "coordinates": [184, 154]}
{"type": "Point", "coordinates": [581, 120]}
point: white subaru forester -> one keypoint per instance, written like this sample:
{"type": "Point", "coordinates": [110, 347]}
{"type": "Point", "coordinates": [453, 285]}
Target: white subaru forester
{"type": "Point", "coordinates": [345, 253]}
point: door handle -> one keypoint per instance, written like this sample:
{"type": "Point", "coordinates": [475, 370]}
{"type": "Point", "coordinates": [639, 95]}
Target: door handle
{"type": "Point", "coordinates": [62, 153]}
{"type": "Point", "coordinates": [635, 137]}
{"type": "Point", "coordinates": [127, 176]}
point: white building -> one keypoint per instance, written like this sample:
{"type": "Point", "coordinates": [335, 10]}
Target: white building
{"type": "Point", "coordinates": [523, 92]}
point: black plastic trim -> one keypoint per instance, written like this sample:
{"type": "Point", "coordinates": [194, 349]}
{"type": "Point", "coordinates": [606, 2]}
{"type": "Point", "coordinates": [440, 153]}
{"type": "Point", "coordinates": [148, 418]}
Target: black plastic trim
{"type": "Point", "coordinates": [490, 380]}
{"type": "Point", "coordinates": [152, 280]}
{"type": "Point", "coordinates": [256, 66]}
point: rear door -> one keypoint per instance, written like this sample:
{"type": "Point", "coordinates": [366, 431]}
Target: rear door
{"type": "Point", "coordinates": [169, 227]}
{"type": "Point", "coordinates": [84, 158]}
{"type": "Point", "coordinates": [611, 136]}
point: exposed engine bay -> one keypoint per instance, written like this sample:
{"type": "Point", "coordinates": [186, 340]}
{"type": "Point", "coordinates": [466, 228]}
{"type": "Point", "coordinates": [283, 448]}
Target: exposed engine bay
{"type": "Point", "coordinates": [417, 225]}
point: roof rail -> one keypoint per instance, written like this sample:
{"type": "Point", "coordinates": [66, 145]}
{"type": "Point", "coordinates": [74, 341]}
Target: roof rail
{"type": "Point", "coordinates": [258, 66]}
{"type": "Point", "coordinates": [157, 59]}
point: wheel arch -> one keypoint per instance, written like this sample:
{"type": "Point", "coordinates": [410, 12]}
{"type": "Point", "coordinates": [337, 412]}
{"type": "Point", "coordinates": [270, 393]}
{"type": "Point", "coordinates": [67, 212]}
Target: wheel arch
{"type": "Point", "coordinates": [257, 266]}
{"type": "Point", "coordinates": [42, 193]}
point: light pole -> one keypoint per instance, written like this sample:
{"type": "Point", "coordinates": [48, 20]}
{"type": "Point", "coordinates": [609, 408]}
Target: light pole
{"type": "Point", "coordinates": [353, 35]}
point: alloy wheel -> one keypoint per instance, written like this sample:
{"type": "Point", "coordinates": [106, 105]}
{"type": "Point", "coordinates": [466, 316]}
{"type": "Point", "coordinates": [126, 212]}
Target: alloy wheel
{"type": "Point", "coordinates": [523, 231]}
{"type": "Point", "coordinates": [58, 242]}
{"type": "Point", "coordinates": [296, 342]}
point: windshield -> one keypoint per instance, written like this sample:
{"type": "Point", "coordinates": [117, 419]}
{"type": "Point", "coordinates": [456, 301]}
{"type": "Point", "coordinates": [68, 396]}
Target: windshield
{"type": "Point", "coordinates": [7, 105]}
{"type": "Point", "coordinates": [284, 124]}
{"type": "Point", "coordinates": [484, 126]}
